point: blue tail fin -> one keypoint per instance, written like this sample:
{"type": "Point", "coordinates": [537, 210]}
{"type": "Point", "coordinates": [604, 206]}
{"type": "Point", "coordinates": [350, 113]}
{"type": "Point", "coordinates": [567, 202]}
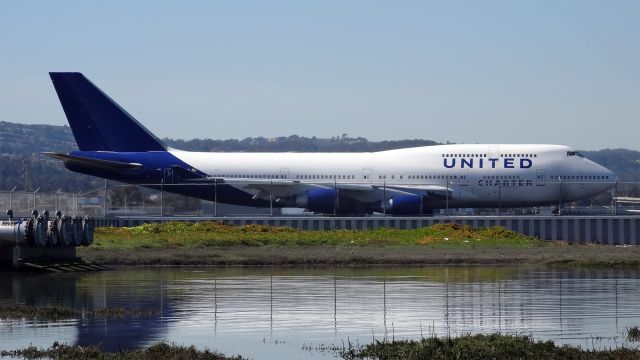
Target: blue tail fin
{"type": "Point", "coordinates": [97, 122]}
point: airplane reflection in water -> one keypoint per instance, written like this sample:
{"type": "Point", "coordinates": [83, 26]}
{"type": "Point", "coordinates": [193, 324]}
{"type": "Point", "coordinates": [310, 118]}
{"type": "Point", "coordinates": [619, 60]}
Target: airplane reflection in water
{"type": "Point", "coordinates": [245, 311]}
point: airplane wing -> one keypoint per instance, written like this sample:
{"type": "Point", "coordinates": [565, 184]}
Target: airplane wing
{"type": "Point", "coordinates": [425, 190]}
{"type": "Point", "coordinates": [294, 192]}
{"type": "Point", "coordinates": [284, 188]}
{"type": "Point", "coordinates": [94, 163]}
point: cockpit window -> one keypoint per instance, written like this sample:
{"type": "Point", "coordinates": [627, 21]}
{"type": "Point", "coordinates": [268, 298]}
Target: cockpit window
{"type": "Point", "coordinates": [574, 153]}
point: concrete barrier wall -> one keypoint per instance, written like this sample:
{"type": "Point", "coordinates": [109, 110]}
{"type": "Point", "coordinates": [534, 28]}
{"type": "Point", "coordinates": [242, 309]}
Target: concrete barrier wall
{"type": "Point", "coordinates": [611, 230]}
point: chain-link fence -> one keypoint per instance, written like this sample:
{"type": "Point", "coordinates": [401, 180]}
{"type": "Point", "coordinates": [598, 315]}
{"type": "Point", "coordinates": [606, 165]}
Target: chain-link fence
{"type": "Point", "coordinates": [121, 200]}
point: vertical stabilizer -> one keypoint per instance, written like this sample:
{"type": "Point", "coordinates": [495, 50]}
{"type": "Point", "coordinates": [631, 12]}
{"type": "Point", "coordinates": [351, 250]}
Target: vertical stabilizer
{"type": "Point", "coordinates": [99, 123]}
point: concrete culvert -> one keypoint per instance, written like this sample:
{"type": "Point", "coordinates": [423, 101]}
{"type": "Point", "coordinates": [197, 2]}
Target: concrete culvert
{"type": "Point", "coordinates": [13, 232]}
{"type": "Point", "coordinates": [29, 239]}
{"type": "Point", "coordinates": [76, 224]}
{"type": "Point", "coordinates": [65, 231]}
{"type": "Point", "coordinates": [40, 231]}
{"type": "Point", "coordinates": [53, 232]}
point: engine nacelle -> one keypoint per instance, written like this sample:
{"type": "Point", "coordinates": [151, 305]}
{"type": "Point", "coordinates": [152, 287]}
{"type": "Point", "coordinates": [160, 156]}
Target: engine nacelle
{"type": "Point", "coordinates": [319, 201]}
{"type": "Point", "coordinates": [404, 205]}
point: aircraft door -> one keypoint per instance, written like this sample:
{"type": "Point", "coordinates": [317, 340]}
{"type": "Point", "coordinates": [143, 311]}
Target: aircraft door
{"type": "Point", "coordinates": [540, 180]}
{"type": "Point", "coordinates": [284, 173]}
{"type": "Point", "coordinates": [463, 178]}
{"type": "Point", "coordinates": [493, 152]}
{"type": "Point", "coordinates": [366, 174]}
{"type": "Point", "coordinates": [167, 176]}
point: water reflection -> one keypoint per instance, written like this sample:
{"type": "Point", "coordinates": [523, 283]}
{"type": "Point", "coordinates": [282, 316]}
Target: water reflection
{"type": "Point", "coordinates": [272, 312]}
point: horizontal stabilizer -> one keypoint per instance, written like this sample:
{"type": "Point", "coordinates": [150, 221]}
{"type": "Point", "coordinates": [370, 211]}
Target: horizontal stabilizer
{"type": "Point", "coordinates": [95, 163]}
{"type": "Point", "coordinates": [185, 174]}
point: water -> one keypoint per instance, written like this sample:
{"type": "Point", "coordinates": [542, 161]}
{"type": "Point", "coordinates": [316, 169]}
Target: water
{"type": "Point", "coordinates": [268, 313]}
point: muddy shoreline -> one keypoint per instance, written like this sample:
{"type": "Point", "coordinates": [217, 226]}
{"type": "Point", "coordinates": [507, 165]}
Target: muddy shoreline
{"type": "Point", "coordinates": [558, 255]}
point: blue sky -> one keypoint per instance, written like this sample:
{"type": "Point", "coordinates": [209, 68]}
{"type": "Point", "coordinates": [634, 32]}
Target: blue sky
{"type": "Point", "coordinates": [565, 72]}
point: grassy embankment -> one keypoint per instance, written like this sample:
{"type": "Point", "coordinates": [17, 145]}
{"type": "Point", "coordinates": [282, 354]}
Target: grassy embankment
{"type": "Point", "coordinates": [494, 346]}
{"type": "Point", "coordinates": [58, 312]}
{"type": "Point", "coordinates": [213, 243]}
{"type": "Point", "coordinates": [154, 352]}
{"type": "Point", "coordinates": [467, 347]}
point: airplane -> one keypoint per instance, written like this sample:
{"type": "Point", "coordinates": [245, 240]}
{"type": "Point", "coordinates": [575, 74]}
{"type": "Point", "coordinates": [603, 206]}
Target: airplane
{"type": "Point", "coordinates": [412, 181]}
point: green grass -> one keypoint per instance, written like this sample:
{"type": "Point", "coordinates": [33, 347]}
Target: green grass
{"type": "Point", "coordinates": [472, 347]}
{"type": "Point", "coordinates": [216, 234]}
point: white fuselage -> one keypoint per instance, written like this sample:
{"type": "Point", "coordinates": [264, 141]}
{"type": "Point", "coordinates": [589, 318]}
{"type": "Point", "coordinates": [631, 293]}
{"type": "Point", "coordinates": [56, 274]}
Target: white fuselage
{"type": "Point", "coordinates": [478, 175]}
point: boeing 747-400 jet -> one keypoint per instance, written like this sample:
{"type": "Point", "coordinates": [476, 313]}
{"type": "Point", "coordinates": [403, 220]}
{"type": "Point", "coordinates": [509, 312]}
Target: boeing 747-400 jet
{"type": "Point", "coordinates": [412, 181]}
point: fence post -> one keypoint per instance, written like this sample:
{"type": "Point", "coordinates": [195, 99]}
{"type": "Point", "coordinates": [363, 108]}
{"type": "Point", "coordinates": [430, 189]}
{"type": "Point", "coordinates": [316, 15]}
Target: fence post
{"type": "Point", "coordinates": [615, 199]}
{"type": "Point", "coordinates": [104, 210]}
{"type": "Point", "coordinates": [215, 197]}
{"type": "Point", "coordinates": [560, 196]}
{"type": "Point", "coordinates": [11, 198]}
{"type": "Point", "coordinates": [162, 197]}
{"type": "Point", "coordinates": [35, 199]}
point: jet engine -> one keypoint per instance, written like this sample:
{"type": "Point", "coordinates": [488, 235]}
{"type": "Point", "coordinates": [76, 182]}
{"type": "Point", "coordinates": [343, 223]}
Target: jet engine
{"type": "Point", "coordinates": [404, 205]}
{"type": "Point", "coordinates": [323, 201]}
